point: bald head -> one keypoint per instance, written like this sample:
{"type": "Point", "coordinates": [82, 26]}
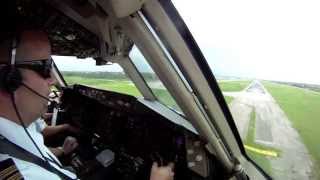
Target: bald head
{"type": "Point", "coordinates": [31, 45]}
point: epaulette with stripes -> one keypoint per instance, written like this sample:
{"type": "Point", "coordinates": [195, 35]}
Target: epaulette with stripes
{"type": "Point", "coordinates": [9, 170]}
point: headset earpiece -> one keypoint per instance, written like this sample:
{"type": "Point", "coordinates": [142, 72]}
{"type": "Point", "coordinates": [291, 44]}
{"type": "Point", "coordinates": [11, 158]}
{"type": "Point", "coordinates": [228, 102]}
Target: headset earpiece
{"type": "Point", "coordinates": [10, 78]}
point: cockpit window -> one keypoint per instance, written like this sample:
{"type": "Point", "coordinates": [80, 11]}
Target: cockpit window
{"type": "Point", "coordinates": [265, 56]}
{"type": "Point", "coordinates": [152, 79]}
{"type": "Point", "coordinates": [85, 72]}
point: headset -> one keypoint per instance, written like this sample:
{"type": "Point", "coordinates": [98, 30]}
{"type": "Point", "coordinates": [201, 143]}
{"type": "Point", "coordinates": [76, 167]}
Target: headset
{"type": "Point", "coordinates": [10, 77]}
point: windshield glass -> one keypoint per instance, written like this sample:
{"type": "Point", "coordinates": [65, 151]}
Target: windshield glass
{"type": "Point", "coordinates": [152, 79]}
{"type": "Point", "coordinates": [85, 72]}
{"type": "Point", "coordinates": [265, 55]}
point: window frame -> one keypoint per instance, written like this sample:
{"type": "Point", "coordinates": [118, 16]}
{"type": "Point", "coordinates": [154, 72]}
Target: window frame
{"type": "Point", "coordinates": [157, 97]}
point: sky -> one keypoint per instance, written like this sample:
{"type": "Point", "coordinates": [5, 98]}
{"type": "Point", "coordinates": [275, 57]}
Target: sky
{"type": "Point", "coordinates": [67, 63]}
{"type": "Point", "coordinates": [274, 39]}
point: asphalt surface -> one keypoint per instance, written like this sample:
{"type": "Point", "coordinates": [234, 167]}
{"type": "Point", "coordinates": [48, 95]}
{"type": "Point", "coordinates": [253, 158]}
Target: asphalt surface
{"type": "Point", "coordinates": [273, 129]}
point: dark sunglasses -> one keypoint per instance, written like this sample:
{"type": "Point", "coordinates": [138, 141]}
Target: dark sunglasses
{"type": "Point", "coordinates": [43, 66]}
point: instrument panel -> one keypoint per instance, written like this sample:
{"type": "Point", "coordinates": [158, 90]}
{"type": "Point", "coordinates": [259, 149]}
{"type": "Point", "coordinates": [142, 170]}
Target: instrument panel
{"type": "Point", "coordinates": [136, 135]}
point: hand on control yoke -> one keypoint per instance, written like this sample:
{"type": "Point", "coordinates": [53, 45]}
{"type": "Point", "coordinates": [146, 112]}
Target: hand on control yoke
{"type": "Point", "coordinates": [69, 144]}
{"type": "Point", "coordinates": [162, 172]}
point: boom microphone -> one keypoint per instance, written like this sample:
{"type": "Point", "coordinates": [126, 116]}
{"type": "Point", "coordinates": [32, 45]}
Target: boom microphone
{"type": "Point", "coordinates": [35, 92]}
{"type": "Point", "coordinates": [54, 103]}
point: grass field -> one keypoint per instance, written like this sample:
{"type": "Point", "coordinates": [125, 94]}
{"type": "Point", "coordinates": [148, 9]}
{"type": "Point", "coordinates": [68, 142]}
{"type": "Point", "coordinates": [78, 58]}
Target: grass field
{"type": "Point", "coordinates": [232, 86]}
{"type": "Point", "coordinates": [120, 85]}
{"type": "Point", "coordinates": [302, 108]}
{"type": "Point", "coordinates": [228, 99]}
{"type": "Point", "coordinates": [127, 87]}
{"type": "Point", "coordinates": [228, 86]}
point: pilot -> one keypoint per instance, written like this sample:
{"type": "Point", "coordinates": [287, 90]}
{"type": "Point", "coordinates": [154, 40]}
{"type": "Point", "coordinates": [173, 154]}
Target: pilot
{"type": "Point", "coordinates": [25, 80]}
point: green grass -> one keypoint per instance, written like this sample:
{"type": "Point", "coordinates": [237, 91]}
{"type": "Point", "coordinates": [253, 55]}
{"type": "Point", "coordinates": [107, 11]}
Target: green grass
{"type": "Point", "coordinates": [261, 160]}
{"type": "Point", "coordinates": [122, 86]}
{"type": "Point", "coordinates": [231, 86]}
{"type": "Point", "coordinates": [228, 99]}
{"type": "Point", "coordinates": [118, 85]}
{"type": "Point", "coordinates": [302, 108]}
{"type": "Point", "coordinates": [164, 96]}
{"type": "Point", "coordinates": [227, 86]}
{"type": "Point", "coordinates": [251, 129]}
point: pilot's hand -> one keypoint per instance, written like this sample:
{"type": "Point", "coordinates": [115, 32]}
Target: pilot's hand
{"type": "Point", "coordinates": [47, 115]}
{"type": "Point", "coordinates": [162, 172]}
{"type": "Point", "coordinates": [69, 144]}
{"type": "Point", "coordinates": [71, 128]}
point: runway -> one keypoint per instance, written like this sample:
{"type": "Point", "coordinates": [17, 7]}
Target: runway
{"type": "Point", "coordinates": [273, 129]}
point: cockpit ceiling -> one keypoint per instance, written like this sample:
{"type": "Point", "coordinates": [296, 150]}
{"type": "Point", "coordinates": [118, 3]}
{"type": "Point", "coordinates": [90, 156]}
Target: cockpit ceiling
{"type": "Point", "coordinates": [67, 37]}
{"type": "Point", "coordinates": [70, 39]}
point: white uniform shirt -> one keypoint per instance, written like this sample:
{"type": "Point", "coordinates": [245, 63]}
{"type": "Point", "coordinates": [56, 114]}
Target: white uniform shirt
{"type": "Point", "coordinates": [16, 134]}
{"type": "Point", "coordinates": [40, 124]}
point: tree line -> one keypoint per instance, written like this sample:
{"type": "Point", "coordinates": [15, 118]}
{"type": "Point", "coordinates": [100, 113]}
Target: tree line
{"type": "Point", "coordinates": [108, 75]}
